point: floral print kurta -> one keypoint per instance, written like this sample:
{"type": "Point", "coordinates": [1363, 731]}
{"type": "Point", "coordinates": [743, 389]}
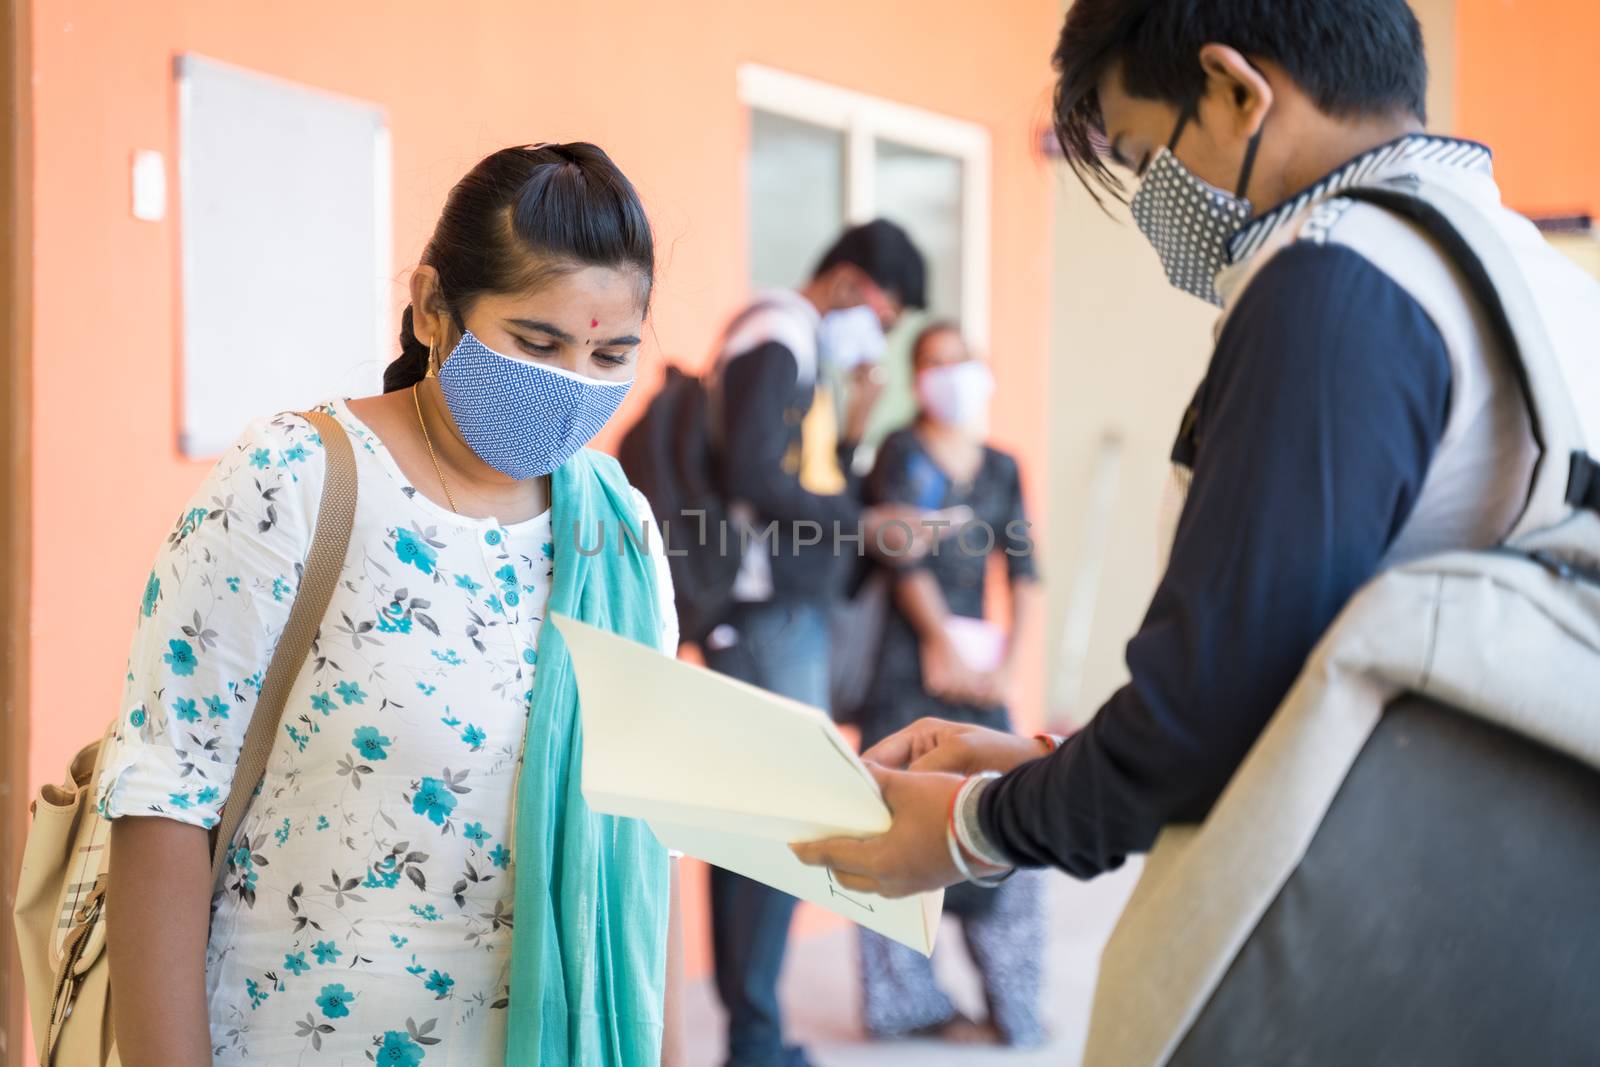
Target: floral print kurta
{"type": "Point", "coordinates": [365, 912]}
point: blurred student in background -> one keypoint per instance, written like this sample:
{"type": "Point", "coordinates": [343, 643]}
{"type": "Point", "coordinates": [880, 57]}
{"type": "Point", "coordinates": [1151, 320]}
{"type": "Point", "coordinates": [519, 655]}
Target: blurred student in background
{"type": "Point", "coordinates": [941, 658]}
{"type": "Point", "coordinates": [784, 457]}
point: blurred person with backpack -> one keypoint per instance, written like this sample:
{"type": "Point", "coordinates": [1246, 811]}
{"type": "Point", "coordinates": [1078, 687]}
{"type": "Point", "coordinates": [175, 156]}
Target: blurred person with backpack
{"type": "Point", "coordinates": [751, 471]}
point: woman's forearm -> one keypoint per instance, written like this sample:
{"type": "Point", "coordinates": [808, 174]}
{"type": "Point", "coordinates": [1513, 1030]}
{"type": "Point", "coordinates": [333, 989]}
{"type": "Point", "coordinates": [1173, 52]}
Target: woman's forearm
{"type": "Point", "coordinates": [158, 915]}
{"type": "Point", "coordinates": [1025, 597]}
{"type": "Point", "coordinates": [673, 1048]}
{"type": "Point", "coordinates": [922, 602]}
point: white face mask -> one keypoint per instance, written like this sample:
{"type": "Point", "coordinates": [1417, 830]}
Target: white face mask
{"type": "Point", "coordinates": [957, 395]}
{"type": "Point", "coordinates": [850, 337]}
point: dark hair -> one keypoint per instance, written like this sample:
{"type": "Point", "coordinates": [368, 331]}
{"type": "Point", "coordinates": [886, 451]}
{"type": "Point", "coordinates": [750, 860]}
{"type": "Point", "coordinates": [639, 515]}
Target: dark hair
{"type": "Point", "coordinates": [520, 217]}
{"type": "Point", "coordinates": [1351, 57]}
{"type": "Point", "coordinates": [937, 326]}
{"type": "Point", "coordinates": [885, 254]}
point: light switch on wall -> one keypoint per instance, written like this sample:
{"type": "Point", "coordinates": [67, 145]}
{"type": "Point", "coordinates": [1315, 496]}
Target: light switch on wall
{"type": "Point", "coordinates": [149, 186]}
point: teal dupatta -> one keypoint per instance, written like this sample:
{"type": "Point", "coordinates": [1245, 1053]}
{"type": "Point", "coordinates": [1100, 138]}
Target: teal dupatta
{"type": "Point", "coordinates": [588, 958]}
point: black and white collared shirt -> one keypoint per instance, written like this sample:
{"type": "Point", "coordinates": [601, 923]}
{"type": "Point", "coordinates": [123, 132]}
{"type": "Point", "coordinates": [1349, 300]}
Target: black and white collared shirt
{"type": "Point", "coordinates": [1384, 161]}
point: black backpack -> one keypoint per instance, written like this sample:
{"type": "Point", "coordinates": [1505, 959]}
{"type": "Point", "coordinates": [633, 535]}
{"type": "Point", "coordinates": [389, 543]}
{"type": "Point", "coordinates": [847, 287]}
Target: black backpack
{"type": "Point", "coordinates": [668, 455]}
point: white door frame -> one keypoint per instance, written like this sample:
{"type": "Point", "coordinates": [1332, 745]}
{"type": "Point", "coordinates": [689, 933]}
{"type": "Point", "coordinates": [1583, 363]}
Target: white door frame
{"type": "Point", "coordinates": [16, 491]}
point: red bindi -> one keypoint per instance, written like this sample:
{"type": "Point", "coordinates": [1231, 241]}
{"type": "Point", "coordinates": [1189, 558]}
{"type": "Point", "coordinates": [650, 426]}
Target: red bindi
{"type": "Point", "coordinates": [593, 323]}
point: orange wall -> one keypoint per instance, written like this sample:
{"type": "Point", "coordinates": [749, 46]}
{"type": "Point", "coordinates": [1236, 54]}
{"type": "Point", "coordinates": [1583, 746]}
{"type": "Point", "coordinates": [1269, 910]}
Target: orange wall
{"type": "Point", "coordinates": [1528, 85]}
{"type": "Point", "coordinates": [652, 82]}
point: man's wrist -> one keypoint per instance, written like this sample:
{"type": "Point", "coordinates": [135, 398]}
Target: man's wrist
{"type": "Point", "coordinates": [968, 826]}
{"type": "Point", "coordinates": [1051, 742]}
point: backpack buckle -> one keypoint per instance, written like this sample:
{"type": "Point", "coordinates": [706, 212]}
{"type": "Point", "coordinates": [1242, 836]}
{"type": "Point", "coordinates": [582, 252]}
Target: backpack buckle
{"type": "Point", "coordinates": [1557, 566]}
{"type": "Point", "coordinates": [1583, 482]}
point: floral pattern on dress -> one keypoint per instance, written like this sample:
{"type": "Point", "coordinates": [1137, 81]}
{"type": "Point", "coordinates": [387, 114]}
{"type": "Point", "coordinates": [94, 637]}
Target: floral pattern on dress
{"type": "Point", "coordinates": [365, 911]}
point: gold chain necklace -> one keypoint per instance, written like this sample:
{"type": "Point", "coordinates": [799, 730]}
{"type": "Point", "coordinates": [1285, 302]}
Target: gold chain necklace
{"type": "Point", "coordinates": [417, 397]}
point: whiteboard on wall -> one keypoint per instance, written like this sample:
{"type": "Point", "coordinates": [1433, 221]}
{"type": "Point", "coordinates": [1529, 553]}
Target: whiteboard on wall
{"type": "Point", "coordinates": [285, 208]}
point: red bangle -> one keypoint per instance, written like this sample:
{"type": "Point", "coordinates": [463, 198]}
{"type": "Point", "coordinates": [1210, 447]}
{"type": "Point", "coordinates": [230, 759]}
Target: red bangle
{"type": "Point", "coordinates": [951, 814]}
{"type": "Point", "coordinates": [1051, 741]}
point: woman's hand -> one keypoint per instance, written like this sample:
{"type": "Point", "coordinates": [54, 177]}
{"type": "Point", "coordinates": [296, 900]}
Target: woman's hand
{"type": "Point", "coordinates": [897, 533]}
{"type": "Point", "coordinates": [946, 674]}
{"type": "Point", "coordinates": [673, 1038]}
{"type": "Point", "coordinates": [957, 748]}
{"type": "Point", "coordinates": [994, 688]}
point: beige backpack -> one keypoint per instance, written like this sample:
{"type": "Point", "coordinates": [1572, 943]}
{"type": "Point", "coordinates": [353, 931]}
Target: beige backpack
{"type": "Point", "coordinates": [1209, 963]}
{"type": "Point", "coordinates": [60, 901]}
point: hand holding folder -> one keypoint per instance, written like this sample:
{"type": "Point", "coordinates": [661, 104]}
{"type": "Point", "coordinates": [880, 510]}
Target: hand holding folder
{"type": "Point", "coordinates": [730, 774]}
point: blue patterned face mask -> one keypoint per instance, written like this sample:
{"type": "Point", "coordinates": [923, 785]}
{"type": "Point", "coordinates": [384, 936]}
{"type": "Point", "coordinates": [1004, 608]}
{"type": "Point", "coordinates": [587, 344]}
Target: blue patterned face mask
{"type": "Point", "coordinates": [523, 419]}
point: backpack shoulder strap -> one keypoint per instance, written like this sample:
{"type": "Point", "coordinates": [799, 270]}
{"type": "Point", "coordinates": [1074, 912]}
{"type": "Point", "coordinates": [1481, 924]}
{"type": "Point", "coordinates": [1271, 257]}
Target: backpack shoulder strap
{"type": "Point", "coordinates": [1565, 476]}
{"type": "Point", "coordinates": [781, 309]}
{"type": "Point", "coordinates": [711, 380]}
{"type": "Point", "coordinates": [335, 519]}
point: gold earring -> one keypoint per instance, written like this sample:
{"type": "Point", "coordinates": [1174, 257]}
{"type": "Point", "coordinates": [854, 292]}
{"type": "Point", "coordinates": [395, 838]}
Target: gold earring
{"type": "Point", "coordinates": [433, 358]}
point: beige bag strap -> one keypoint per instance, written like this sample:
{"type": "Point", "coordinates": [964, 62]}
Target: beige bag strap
{"type": "Point", "coordinates": [335, 518]}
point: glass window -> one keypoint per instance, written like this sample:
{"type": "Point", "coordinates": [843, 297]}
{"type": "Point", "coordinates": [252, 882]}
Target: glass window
{"type": "Point", "coordinates": [797, 183]}
{"type": "Point", "coordinates": [922, 192]}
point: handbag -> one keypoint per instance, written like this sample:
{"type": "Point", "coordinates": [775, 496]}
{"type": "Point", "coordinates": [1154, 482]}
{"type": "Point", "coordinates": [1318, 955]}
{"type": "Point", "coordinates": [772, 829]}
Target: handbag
{"type": "Point", "coordinates": [856, 630]}
{"type": "Point", "coordinates": [61, 894]}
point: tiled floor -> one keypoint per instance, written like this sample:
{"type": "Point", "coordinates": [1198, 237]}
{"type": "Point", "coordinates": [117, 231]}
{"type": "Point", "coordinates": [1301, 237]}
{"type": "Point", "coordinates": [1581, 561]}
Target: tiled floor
{"type": "Point", "coordinates": [820, 991]}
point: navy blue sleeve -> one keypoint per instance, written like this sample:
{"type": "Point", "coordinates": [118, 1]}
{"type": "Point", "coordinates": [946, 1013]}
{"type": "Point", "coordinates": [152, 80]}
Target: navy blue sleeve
{"type": "Point", "coordinates": [1015, 540]}
{"type": "Point", "coordinates": [1327, 394]}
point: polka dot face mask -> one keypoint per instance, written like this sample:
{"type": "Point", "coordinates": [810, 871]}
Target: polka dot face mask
{"type": "Point", "coordinates": [1190, 221]}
